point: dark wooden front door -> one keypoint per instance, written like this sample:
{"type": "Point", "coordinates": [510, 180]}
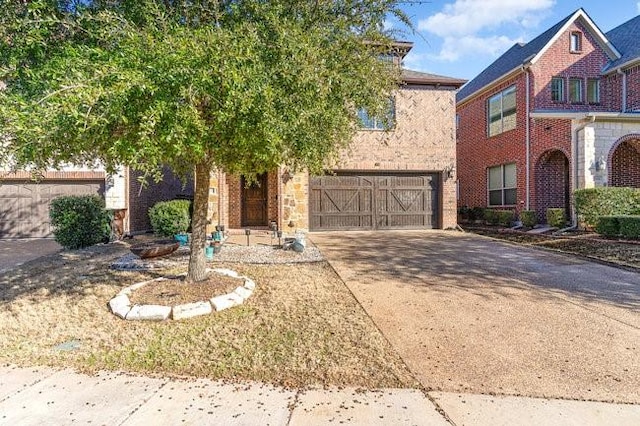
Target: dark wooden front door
{"type": "Point", "coordinates": [254, 202]}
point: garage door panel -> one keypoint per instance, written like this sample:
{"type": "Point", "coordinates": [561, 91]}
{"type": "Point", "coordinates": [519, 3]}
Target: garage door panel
{"type": "Point", "coordinates": [406, 201]}
{"type": "Point", "coordinates": [24, 207]}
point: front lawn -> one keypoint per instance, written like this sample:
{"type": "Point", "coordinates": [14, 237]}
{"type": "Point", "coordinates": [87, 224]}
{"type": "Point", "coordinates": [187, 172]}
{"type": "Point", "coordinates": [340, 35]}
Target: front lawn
{"type": "Point", "coordinates": [301, 327]}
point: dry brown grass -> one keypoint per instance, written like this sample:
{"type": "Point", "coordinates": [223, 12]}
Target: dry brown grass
{"type": "Point", "coordinates": [301, 327]}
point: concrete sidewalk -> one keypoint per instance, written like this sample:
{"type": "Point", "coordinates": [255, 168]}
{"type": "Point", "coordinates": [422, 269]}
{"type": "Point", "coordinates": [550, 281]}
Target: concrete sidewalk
{"type": "Point", "coordinates": [35, 396]}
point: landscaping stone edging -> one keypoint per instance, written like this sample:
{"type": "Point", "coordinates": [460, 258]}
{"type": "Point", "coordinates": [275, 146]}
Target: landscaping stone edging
{"type": "Point", "coordinates": [121, 306]}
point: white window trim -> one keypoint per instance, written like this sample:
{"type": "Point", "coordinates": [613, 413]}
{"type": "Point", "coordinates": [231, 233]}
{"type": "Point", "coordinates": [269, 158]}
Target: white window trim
{"type": "Point", "coordinates": [488, 106]}
{"type": "Point", "coordinates": [503, 188]}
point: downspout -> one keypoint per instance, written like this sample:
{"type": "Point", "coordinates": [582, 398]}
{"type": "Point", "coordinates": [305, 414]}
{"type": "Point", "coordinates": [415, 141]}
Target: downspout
{"type": "Point", "coordinates": [525, 68]}
{"type": "Point", "coordinates": [623, 101]}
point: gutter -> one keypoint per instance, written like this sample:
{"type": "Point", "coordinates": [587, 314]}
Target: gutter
{"type": "Point", "coordinates": [527, 140]}
{"type": "Point", "coordinates": [623, 101]}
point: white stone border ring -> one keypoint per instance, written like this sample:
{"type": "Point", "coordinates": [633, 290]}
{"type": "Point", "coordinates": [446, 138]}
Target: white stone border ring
{"type": "Point", "coordinates": [120, 305]}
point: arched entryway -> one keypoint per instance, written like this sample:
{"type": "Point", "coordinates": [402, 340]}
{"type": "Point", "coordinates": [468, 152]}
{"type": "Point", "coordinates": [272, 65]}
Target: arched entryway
{"type": "Point", "coordinates": [624, 162]}
{"type": "Point", "coordinates": [552, 183]}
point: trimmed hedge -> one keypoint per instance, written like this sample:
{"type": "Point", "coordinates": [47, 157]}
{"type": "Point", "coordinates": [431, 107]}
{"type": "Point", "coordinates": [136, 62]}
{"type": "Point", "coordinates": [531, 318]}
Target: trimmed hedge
{"type": "Point", "coordinates": [498, 217]}
{"type": "Point", "coordinates": [169, 218]}
{"type": "Point", "coordinates": [556, 218]}
{"type": "Point", "coordinates": [608, 226]}
{"type": "Point", "coordinates": [528, 218]}
{"type": "Point", "coordinates": [629, 226]}
{"type": "Point", "coordinates": [79, 221]}
{"type": "Point", "coordinates": [593, 203]}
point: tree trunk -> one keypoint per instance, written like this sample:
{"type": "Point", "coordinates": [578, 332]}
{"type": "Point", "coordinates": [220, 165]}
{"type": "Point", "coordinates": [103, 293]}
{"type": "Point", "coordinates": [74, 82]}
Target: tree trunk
{"type": "Point", "coordinates": [197, 262]}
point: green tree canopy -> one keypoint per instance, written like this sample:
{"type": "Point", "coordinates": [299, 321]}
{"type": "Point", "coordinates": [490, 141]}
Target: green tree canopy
{"type": "Point", "coordinates": [239, 85]}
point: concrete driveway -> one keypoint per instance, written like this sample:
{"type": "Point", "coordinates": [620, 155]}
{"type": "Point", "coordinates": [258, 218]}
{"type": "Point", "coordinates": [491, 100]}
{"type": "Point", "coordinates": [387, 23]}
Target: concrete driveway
{"type": "Point", "coordinates": [17, 252]}
{"type": "Point", "coordinates": [472, 315]}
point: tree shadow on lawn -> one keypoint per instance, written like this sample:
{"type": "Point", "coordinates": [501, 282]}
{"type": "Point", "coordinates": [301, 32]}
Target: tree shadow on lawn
{"type": "Point", "coordinates": [436, 261]}
{"type": "Point", "coordinates": [69, 272]}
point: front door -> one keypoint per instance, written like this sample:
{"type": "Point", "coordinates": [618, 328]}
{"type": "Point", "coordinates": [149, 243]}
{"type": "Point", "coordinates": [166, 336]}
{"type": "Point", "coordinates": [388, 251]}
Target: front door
{"type": "Point", "coordinates": [254, 202]}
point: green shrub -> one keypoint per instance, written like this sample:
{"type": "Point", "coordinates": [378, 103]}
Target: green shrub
{"type": "Point", "coordinates": [169, 218]}
{"type": "Point", "coordinates": [476, 213]}
{"type": "Point", "coordinates": [505, 217]}
{"type": "Point", "coordinates": [629, 226]}
{"type": "Point", "coordinates": [556, 218]}
{"type": "Point", "coordinates": [498, 217]}
{"type": "Point", "coordinates": [608, 226]}
{"type": "Point", "coordinates": [606, 201]}
{"type": "Point", "coordinates": [490, 216]}
{"type": "Point", "coordinates": [528, 218]}
{"type": "Point", "coordinates": [79, 221]}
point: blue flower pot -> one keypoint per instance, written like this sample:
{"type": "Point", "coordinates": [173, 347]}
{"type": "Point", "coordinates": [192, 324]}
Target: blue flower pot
{"type": "Point", "coordinates": [183, 239]}
{"type": "Point", "coordinates": [208, 252]}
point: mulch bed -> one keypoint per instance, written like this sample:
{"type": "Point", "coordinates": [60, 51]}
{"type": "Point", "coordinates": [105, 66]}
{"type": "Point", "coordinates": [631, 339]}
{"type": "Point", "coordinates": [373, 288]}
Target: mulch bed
{"type": "Point", "coordinates": [177, 292]}
{"type": "Point", "coordinates": [583, 243]}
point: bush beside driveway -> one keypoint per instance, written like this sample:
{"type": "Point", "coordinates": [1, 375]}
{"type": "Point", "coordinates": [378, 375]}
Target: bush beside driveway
{"type": "Point", "coordinates": [470, 314]}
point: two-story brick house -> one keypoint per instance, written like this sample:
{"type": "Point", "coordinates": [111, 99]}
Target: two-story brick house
{"type": "Point", "coordinates": [387, 179]}
{"type": "Point", "coordinates": [558, 113]}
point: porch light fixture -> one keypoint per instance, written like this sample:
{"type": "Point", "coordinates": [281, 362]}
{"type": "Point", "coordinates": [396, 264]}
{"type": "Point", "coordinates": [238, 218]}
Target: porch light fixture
{"type": "Point", "coordinates": [286, 176]}
{"type": "Point", "coordinates": [448, 171]}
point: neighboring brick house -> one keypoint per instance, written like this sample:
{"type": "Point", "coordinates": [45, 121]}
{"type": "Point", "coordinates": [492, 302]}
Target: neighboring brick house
{"type": "Point", "coordinates": [400, 178]}
{"type": "Point", "coordinates": [556, 114]}
{"type": "Point", "coordinates": [24, 203]}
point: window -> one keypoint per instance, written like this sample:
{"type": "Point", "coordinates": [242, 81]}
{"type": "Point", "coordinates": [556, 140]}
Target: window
{"type": "Point", "coordinates": [457, 121]}
{"type": "Point", "coordinates": [502, 185]}
{"type": "Point", "coordinates": [593, 91]}
{"type": "Point", "coordinates": [373, 123]}
{"type": "Point", "coordinates": [575, 90]}
{"type": "Point", "coordinates": [557, 89]}
{"type": "Point", "coordinates": [502, 111]}
{"type": "Point", "coordinates": [576, 41]}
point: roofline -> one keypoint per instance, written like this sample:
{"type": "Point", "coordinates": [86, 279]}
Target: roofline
{"type": "Point", "coordinates": [494, 83]}
{"type": "Point", "coordinates": [426, 81]}
{"type": "Point", "coordinates": [602, 116]}
{"type": "Point", "coordinates": [613, 52]}
{"type": "Point", "coordinates": [628, 64]}
{"type": "Point", "coordinates": [531, 60]}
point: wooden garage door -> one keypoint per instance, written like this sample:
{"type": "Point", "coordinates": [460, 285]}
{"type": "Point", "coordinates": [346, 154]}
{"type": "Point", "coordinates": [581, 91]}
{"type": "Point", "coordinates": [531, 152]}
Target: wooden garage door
{"type": "Point", "coordinates": [380, 201]}
{"type": "Point", "coordinates": [24, 207]}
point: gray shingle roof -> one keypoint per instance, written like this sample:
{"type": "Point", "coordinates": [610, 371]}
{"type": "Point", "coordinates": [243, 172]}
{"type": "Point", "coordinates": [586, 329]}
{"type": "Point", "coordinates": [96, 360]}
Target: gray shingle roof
{"type": "Point", "coordinates": [626, 39]}
{"type": "Point", "coordinates": [512, 58]}
{"type": "Point", "coordinates": [417, 77]}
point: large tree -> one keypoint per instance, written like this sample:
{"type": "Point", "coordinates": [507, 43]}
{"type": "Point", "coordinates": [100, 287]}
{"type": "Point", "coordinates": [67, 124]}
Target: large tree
{"type": "Point", "coordinates": [239, 85]}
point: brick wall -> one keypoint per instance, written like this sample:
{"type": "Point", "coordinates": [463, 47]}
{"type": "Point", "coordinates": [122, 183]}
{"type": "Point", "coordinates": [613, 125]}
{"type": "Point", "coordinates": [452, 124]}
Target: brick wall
{"type": "Point", "coordinates": [141, 199]}
{"type": "Point", "coordinates": [559, 61]}
{"type": "Point", "coordinates": [422, 140]}
{"type": "Point", "coordinates": [625, 164]}
{"type": "Point", "coordinates": [633, 88]}
{"type": "Point", "coordinates": [477, 151]}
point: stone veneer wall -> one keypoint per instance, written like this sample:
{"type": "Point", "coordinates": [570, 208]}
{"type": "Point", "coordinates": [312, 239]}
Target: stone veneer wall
{"type": "Point", "coordinates": [424, 139]}
{"type": "Point", "coordinates": [596, 143]}
{"type": "Point", "coordinates": [295, 203]}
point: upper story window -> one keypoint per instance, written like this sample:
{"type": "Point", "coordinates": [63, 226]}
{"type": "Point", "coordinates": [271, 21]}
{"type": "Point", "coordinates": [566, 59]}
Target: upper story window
{"type": "Point", "coordinates": [502, 112]}
{"type": "Point", "coordinates": [373, 123]}
{"type": "Point", "coordinates": [557, 89]}
{"type": "Point", "coordinates": [576, 41]}
{"type": "Point", "coordinates": [457, 121]}
{"type": "Point", "coordinates": [593, 91]}
{"type": "Point", "coordinates": [575, 90]}
{"type": "Point", "coordinates": [502, 185]}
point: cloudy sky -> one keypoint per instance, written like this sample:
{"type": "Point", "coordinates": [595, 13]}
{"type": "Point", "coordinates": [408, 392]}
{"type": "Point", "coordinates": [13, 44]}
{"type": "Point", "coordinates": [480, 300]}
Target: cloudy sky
{"type": "Point", "coordinates": [459, 38]}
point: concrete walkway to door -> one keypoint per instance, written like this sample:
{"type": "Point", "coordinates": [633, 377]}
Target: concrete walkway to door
{"type": "Point", "coordinates": [472, 315]}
